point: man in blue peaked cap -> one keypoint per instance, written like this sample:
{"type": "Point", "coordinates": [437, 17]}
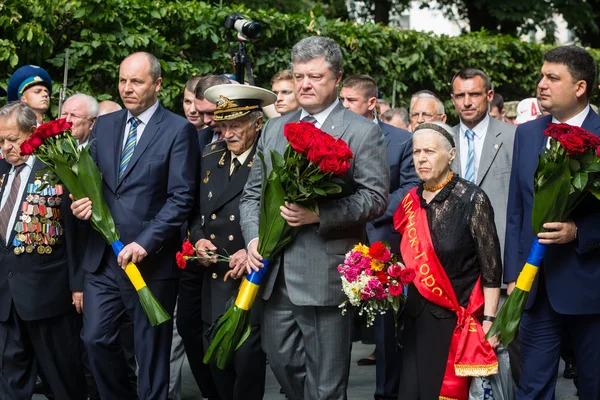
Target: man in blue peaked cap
{"type": "Point", "coordinates": [31, 85]}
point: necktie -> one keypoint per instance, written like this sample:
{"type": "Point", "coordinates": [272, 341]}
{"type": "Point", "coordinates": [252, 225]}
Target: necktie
{"type": "Point", "coordinates": [310, 118]}
{"type": "Point", "coordinates": [129, 145]}
{"type": "Point", "coordinates": [7, 210]}
{"type": "Point", "coordinates": [235, 165]}
{"type": "Point", "coordinates": [470, 168]}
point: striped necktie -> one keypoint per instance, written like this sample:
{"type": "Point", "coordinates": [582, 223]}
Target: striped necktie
{"type": "Point", "coordinates": [129, 145]}
{"type": "Point", "coordinates": [470, 168]}
{"type": "Point", "coordinates": [7, 210]}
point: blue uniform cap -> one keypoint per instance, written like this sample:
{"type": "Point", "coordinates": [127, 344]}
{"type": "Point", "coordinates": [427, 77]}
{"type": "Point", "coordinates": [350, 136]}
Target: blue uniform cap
{"type": "Point", "coordinates": [26, 77]}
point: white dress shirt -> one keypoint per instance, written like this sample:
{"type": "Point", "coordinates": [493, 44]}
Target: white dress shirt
{"type": "Point", "coordinates": [25, 172]}
{"type": "Point", "coordinates": [320, 116]}
{"type": "Point", "coordinates": [480, 130]}
{"type": "Point", "coordinates": [144, 119]}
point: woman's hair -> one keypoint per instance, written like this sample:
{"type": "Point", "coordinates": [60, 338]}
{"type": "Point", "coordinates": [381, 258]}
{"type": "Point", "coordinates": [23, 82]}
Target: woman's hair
{"type": "Point", "coordinates": [441, 129]}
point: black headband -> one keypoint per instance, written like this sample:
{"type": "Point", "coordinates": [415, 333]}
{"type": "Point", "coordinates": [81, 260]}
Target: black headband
{"type": "Point", "coordinates": [439, 129]}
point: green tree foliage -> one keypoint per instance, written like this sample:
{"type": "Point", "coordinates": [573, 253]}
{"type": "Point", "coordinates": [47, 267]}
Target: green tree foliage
{"type": "Point", "coordinates": [189, 39]}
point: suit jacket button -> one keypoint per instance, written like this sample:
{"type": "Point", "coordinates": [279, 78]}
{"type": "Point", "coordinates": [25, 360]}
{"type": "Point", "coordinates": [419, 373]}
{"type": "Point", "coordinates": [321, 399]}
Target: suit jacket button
{"type": "Point", "coordinates": [117, 196]}
{"type": "Point", "coordinates": [10, 275]}
{"type": "Point", "coordinates": [232, 217]}
{"type": "Point", "coordinates": [212, 236]}
{"type": "Point", "coordinates": [214, 275]}
{"type": "Point", "coordinates": [213, 216]}
{"type": "Point", "coordinates": [230, 237]}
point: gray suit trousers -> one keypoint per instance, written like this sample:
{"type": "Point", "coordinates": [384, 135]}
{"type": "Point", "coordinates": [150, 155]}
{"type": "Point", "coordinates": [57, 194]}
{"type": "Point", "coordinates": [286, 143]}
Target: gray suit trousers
{"type": "Point", "coordinates": [308, 346]}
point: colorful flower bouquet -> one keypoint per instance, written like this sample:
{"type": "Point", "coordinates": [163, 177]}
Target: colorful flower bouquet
{"type": "Point", "coordinates": [567, 171]}
{"type": "Point", "coordinates": [306, 171]}
{"type": "Point", "coordinates": [66, 164]}
{"type": "Point", "coordinates": [374, 280]}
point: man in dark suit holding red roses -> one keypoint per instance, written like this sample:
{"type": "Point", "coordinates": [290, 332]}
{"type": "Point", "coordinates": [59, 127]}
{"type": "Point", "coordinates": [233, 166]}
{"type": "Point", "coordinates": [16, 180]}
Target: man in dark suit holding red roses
{"type": "Point", "coordinates": [565, 295]}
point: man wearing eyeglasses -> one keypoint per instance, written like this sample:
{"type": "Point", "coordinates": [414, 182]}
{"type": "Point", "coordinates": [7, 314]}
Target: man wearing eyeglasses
{"type": "Point", "coordinates": [426, 108]}
{"type": "Point", "coordinates": [82, 111]}
{"type": "Point", "coordinates": [282, 84]}
{"type": "Point", "coordinates": [484, 145]}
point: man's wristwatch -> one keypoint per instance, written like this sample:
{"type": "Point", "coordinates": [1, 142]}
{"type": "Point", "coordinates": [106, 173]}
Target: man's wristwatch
{"type": "Point", "coordinates": [489, 318]}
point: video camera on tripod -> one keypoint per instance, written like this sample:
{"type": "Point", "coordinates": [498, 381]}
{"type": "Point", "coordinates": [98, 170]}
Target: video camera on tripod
{"type": "Point", "coordinates": [246, 30]}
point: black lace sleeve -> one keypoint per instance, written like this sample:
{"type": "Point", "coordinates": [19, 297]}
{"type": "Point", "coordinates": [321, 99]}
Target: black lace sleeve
{"type": "Point", "coordinates": [485, 237]}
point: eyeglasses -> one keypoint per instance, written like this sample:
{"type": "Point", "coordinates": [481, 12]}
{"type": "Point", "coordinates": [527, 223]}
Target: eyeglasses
{"type": "Point", "coordinates": [424, 115]}
{"type": "Point", "coordinates": [284, 92]}
{"type": "Point", "coordinates": [65, 115]}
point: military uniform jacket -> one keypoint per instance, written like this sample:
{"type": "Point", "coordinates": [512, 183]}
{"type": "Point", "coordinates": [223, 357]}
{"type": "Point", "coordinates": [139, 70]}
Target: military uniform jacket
{"type": "Point", "coordinates": [38, 268]}
{"type": "Point", "coordinates": [218, 219]}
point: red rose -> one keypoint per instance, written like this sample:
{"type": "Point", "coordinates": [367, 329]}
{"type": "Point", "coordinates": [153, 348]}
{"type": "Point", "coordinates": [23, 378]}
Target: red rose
{"type": "Point", "coordinates": [187, 249]}
{"type": "Point", "coordinates": [382, 276]}
{"type": "Point", "coordinates": [333, 165]}
{"type": "Point", "coordinates": [407, 276]}
{"type": "Point", "coordinates": [394, 270]}
{"type": "Point", "coordinates": [343, 150]}
{"type": "Point", "coordinates": [555, 131]}
{"type": "Point", "coordinates": [573, 143]}
{"type": "Point", "coordinates": [377, 250]}
{"type": "Point", "coordinates": [36, 141]}
{"type": "Point", "coordinates": [395, 290]}
{"type": "Point", "coordinates": [322, 146]}
{"type": "Point", "coordinates": [181, 263]}
{"type": "Point", "coordinates": [299, 136]}
{"type": "Point", "coordinates": [26, 148]}
{"type": "Point", "coordinates": [598, 151]}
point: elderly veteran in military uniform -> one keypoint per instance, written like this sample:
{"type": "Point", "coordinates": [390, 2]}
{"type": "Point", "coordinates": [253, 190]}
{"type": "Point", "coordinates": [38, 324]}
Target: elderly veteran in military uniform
{"type": "Point", "coordinates": [225, 168]}
{"type": "Point", "coordinates": [40, 282]}
{"type": "Point", "coordinates": [31, 85]}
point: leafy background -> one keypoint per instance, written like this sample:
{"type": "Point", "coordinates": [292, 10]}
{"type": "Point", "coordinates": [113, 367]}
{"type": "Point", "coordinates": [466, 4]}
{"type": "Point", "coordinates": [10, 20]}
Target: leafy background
{"type": "Point", "coordinates": [189, 39]}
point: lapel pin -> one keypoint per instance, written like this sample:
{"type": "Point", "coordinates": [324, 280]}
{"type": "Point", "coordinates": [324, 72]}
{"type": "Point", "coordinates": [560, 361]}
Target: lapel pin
{"type": "Point", "coordinates": [205, 180]}
{"type": "Point", "coordinates": [222, 160]}
{"type": "Point", "coordinates": [496, 147]}
{"type": "Point", "coordinates": [209, 195]}
{"type": "Point", "coordinates": [251, 161]}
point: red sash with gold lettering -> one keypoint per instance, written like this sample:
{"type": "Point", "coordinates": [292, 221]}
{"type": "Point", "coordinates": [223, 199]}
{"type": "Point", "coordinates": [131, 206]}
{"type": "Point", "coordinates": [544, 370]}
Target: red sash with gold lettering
{"type": "Point", "coordinates": [470, 354]}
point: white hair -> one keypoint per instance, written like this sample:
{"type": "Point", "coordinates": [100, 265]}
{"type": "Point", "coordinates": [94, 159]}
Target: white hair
{"type": "Point", "coordinates": [93, 108]}
{"type": "Point", "coordinates": [438, 103]}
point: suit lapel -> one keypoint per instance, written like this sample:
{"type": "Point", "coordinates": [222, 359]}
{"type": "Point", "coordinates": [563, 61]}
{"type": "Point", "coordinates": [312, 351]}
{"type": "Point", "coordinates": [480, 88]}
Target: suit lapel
{"type": "Point", "coordinates": [386, 134]}
{"type": "Point", "coordinates": [491, 146]}
{"type": "Point", "coordinates": [541, 140]}
{"type": "Point", "coordinates": [147, 137]}
{"type": "Point", "coordinates": [334, 124]}
{"type": "Point", "coordinates": [592, 122]}
{"type": "Point", "coordinates": [237, 182]}
{"type": "Point", "coordinates": [117, 145]}
{"type": "Point", "coordinates": [456, 166]}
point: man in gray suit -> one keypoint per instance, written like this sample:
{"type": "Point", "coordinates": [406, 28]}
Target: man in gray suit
{"type": "Point", "coordinates": [306, 337]}
{"type": "Point", "coordinates": [484, 145]}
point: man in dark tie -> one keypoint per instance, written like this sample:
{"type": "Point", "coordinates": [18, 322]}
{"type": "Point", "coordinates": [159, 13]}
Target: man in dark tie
{"type": "Point", "coordinates": [358, 94]}
{"type": "Point", "coordinates": [148, 159]}
{"type": "Point", "coordinates": [306, 337]}
{"type": "Point", "coordinates": [41, 281]}
{"type": "Point", "coordinates": [564, 298]}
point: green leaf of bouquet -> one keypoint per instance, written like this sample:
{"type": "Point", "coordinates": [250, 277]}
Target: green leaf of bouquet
{"type": "Point", "coordinates": [594, 167]}
{"type": "Point", "coordinates": [580, 179]}
{"type": "Point", "coordinates": [574, 165]}
{"type": "Point", "coordinates": [595, 192]}
{"type": "Point", "coordinates": [320, 191]}
{"type": "Point", "coordinates": [316, 177]}
{"type": "Point", "coordinates": [278, 162]}
{"type": "Point", "coordinates": [550, 200]}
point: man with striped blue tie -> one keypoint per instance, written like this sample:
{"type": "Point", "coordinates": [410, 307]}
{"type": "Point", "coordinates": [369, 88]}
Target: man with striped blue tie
{"type": "Point", "coordinates": [148, 160]}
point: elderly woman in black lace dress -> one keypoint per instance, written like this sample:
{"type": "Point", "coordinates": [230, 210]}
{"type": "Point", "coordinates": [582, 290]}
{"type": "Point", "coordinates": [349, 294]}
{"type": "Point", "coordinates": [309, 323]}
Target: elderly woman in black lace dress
{"type": "Point", "coordinates": [450, 238]}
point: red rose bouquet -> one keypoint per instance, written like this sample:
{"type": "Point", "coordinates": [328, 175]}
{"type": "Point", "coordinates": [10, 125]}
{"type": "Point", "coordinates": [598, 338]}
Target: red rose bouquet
{"type": "Point", "coordinates": [66, 164]}
{"type": "Point", "coordinates": [567, 171]}
{"type": "Point", "coordinates": [307, 170]}
{"type": "Point", "coordinates": [374, 280]}
{"type": "Point", "coordinates": [188, 253]}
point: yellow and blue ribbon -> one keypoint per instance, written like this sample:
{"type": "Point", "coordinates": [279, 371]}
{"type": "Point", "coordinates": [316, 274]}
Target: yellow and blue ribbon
{"type": "Point", "coordinates": [530, 270]}
{"type": "Point", "coordinates": [250, 286]}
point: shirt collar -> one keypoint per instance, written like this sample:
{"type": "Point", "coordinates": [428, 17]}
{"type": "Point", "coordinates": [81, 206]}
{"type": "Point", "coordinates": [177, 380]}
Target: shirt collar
{"type": "Point", "coordinates": [576, 120]}
{"type": "Point", "coordinates": [242, 157]}
{"type": "Point", "coordinates": [30, 161]}
{"type": "Point", "coordinates": [145, 115]}
{"type": "Point", "coordinates": [480, 129]}
{"type": "Point", "coordinates": [322, 115]}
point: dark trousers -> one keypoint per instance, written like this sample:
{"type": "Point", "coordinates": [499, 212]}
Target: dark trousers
{"type": "Point", "coordinates": [387, 354]}
{"type": "Point", "coordinates": [542, 331]}
{"type": "Point", "coordinates": [109, 295]}
{"type": "Point", "coordinates": [244, 378]}
{"type": "Point", "coordinates": [126, 339]}
{"type": "Point", "coordinates": [425, 345]}
{"type": "Point", "coordinates": [191, 328]}
{"type": "Point", "coordinates": [54, 342]}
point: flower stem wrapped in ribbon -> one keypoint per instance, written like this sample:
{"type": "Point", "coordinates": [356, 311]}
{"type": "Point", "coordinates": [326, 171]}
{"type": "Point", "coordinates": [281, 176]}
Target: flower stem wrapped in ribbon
{"type": "Point", "coordinates": [566, 173]}
{"type": "Point", "coordinates": [306, 171]}
{"type": "Point", "coordinates": [66, 164]}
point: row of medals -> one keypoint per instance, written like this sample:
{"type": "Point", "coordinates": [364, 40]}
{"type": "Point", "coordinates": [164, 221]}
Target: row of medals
{"type": "Point", "coordinates": [38, 227]}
